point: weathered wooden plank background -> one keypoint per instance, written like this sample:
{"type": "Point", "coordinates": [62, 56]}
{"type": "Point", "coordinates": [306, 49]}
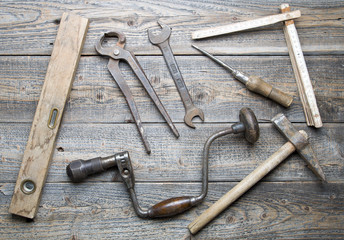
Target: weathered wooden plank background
{"type": "Point", "coordinates": [289, 203]}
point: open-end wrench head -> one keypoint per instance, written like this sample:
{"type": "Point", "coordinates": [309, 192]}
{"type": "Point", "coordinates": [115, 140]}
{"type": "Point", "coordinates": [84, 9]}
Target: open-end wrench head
{"type": "Point", "coordinates": [190, 114]}
{"type": "Point", "coordinates": [248, 118]}
{"type": "Point", "coordinates": [160, 37]}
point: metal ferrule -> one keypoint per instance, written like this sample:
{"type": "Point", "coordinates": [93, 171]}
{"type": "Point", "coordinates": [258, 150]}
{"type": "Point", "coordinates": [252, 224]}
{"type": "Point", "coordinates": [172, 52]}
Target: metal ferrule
{"type": "Point", "coordinates": [238, 127]}
{"type": "Point", "coordinates": [240, 76]}
{"type": "Point", "coordinates": [109, 161]}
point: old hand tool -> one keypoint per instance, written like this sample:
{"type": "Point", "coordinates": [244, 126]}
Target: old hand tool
{"type": "Point", "coordinates": [297, 140]}
{"type": "Point", "coordinates": [303, 80]}
{"type": "Point", "coordinates": [57, 85]}
{"type": "Point", "coordinates": [162, 40]}
{"type": "Point", "coordinates": [254, 83]}
{"type": "Point", "coordinates": [117, 53]}
{"type": "Point", "coordinates": [240, 26]}
{"type": "Point", "coordinates": [79, 169]}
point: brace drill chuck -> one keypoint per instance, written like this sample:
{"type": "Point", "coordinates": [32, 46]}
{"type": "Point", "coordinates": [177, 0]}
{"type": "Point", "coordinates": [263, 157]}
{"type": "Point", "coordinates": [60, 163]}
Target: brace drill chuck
{"type": "Point", "coordinates": [79, 169]}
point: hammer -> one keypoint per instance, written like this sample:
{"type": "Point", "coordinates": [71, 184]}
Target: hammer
{"type": "Point", "coordinates": [297, 140]}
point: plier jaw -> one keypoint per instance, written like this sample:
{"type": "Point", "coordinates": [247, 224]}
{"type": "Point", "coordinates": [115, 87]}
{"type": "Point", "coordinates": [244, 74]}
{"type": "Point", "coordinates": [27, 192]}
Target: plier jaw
{"type": "Point", "coordinates": [117, 53]}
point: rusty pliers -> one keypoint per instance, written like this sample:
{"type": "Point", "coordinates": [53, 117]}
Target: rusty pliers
{"type": "Point", "coordinates": [117, 53]}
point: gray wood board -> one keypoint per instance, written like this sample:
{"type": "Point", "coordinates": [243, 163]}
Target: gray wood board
{"type": "Point", "coordinates": [29, 28]}
{"type": "Point", "coordinates": [104, 211]}
{"type": "Point", "coordinates": [96, 98]}
{"type": "Point", "coordinates": [289, 203]}
{"type": "Point", "coordinates": [231, 157]}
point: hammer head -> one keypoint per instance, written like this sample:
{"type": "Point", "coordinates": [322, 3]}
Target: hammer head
{"type": "Point", "coordinates": [300, 141]}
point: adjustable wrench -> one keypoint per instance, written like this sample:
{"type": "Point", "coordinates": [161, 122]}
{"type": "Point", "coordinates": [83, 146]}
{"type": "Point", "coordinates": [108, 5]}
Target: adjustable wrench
{"type": "Point", "coordinates": [162, 41]}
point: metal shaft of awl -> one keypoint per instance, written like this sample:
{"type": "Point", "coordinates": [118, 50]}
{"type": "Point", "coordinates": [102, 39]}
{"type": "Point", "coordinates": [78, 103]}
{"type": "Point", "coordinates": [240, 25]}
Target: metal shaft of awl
{"type": "Point", "coordinates": [237, 74]}
{"type": "Point", "coordinates": [255, 83]}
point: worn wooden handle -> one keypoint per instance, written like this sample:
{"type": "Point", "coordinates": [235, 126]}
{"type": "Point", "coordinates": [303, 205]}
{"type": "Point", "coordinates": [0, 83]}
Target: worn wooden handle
{"type": "Point", "coordinates": [57, 85]}
{"type": "Point", "coordinates": [170, 207]}
{"type": "Point", "coordinates": [249, 181]}
{"type": "Point", "coordinates": [258, 85]}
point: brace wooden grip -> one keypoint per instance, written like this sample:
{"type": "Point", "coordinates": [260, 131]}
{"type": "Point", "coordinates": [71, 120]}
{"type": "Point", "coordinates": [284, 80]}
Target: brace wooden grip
{"type": "Point", "coordinates": [258, 85]}
{"type": "Point", "coordinates": [170, 207]}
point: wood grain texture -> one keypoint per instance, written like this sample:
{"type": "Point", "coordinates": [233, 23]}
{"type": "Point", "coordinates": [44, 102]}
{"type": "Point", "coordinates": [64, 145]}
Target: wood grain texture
{"type": "Point", "coordinates": [258, 85]}
{"type": "Point", "coordinates": [231, 157]}
{"type": "Point", "coordinates": [95, 96]}
{"type": "Point", "coordinates": [104, 211]}
{"type": "Point", "coordinates": [245, 25]}
{"type": "Point", "coordinates": [55, 91]}
{"type": "Point", "coordinates": [288, 203]}
{"type": "Point", "coordinates": [303, 81]}
{"type": "Point", "coordinates": [242, 187]}
{"type": "Point", "coordinates": [35, 24]}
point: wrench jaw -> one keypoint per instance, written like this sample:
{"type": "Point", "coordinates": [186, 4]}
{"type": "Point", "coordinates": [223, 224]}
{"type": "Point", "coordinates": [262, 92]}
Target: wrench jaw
{"type": "Point", "coordinates": [190, 114]}
{"type": "Point", "coordinates": [162, 41]}
{"type": "Point", "coordinates": [160, 37]}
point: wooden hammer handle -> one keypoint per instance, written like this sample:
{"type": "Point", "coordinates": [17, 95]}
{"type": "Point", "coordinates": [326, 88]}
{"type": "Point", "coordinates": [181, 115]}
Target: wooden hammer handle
{"type": "Point", "coordinates": [241, 187]}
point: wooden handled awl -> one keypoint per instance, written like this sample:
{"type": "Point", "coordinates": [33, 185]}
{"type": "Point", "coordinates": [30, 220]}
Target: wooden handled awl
{"type": "Point", "coordinates": [298, 140]}
{"type": "Point", "coordinates": [56, 88]}
{"type": "Point", "coordinates": [254, 83]}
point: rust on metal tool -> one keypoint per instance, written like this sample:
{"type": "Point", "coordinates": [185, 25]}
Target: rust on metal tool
{"type": "Point", "coordinates": [298, 141]}
{"type": "Point", "coordinates": [117, 53]}
{"type": "Point", "coordinates": [301, 144]}
{"type": "Point", "coordinates": [79, 169]}
{"type": "Point", "coordinates": [162, 40]}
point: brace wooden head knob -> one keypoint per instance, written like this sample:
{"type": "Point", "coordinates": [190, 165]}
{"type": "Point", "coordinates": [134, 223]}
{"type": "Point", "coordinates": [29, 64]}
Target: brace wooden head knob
{"type": "Point", "coordinates": [248, 124]}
